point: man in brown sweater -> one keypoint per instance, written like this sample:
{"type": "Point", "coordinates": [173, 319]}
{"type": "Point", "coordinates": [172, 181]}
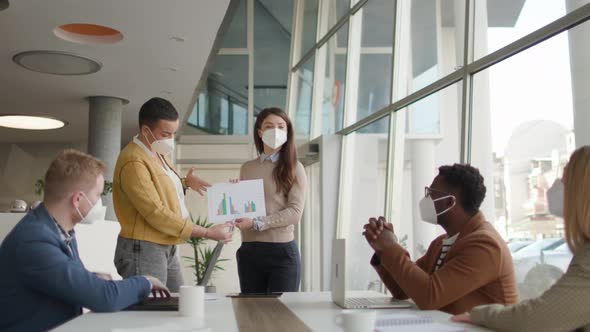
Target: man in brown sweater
{"type": "Point", "coordinates": [468, 266]}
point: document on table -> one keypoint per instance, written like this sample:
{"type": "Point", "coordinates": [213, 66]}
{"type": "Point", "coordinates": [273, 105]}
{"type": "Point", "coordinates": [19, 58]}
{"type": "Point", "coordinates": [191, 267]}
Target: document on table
{"type": "Point", "coordinates": [403, 322]}
{"type": "Point", "coordinates": [168, 327]}
{"type": "Point", "coordinates": [227, 201]}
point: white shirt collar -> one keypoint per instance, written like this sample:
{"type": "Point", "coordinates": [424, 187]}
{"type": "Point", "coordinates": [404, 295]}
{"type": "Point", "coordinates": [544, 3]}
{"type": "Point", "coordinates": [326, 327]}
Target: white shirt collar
{"type": "Point", "coordinates": [273, 157]}
{"type": "Point", "coordinates": [137, 141]}
{"type": "Point", "coordinates": [451, 240]}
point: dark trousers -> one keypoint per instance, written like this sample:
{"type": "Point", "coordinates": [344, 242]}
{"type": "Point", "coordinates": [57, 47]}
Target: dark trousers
{"type": "Point", "coordinates": [266, 267]}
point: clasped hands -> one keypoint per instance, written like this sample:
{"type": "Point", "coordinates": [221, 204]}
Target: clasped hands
{"type": "Point", "coordinates": [379, 234]}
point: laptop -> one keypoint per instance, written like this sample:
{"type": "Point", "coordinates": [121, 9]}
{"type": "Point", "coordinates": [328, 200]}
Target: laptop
{"type": "Point", "coordinates": [339, 285]}
{"type": "Point", "coordinates": [171, 303]}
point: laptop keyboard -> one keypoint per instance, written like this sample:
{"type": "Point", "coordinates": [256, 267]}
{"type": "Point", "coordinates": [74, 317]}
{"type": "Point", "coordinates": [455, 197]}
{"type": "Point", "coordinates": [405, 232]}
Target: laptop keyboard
{"type": "Point", "coordinates": [156, 304]}
{"type": "Point", "coordinates": [361, 301]}
{"type": "Point", "coordinates": [160, 301]}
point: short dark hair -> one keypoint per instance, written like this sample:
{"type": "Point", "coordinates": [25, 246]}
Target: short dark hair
{"type": "Point", "coordinates": [156, 109]}
{"type": "Point", "coordinates": [468, 181]}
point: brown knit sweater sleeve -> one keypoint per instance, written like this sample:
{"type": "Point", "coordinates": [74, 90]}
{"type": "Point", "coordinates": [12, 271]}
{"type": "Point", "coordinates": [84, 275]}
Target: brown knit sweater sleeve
{"type": "Point", "coordinates": [293, 211]}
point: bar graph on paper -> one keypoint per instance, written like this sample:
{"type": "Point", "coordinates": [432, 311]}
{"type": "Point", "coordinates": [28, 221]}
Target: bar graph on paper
{"type": "Point", "coordinates": [234, 200]}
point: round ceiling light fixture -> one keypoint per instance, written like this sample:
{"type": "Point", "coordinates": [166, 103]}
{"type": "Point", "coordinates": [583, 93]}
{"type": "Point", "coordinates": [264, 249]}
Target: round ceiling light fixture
{"type": "Point", "coordinates": [30, 122]}
{"type": "Point", "coordinates": [57, 62]}
{"type": "Point", "coordinates": [91, 34]}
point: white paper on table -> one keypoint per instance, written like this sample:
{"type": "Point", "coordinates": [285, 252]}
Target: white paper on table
{"type": "Point", "coordinates": [424, 327]}
{"type": "Point", "coordinates": [212, 296]}
{"type": "Point", "coordinates": [404, 322]}
{"type": "Point", "coordinates": [168, 327]}
{"type": "Point", "coordinates": [226, 201]}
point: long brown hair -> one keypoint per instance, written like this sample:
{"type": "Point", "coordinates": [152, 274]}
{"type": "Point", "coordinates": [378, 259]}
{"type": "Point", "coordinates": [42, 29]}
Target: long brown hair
{"type": "Point", "coordinates": [576, 203]}
{"type": "Point", "coordinates": [284, 172]}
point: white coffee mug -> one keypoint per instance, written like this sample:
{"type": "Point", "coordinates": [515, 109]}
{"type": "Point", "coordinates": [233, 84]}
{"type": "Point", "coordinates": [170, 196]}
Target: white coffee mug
{"type": "Point", "coordinates": [191, 302]}
{"type": "Point", "coordinates": [356, 320]}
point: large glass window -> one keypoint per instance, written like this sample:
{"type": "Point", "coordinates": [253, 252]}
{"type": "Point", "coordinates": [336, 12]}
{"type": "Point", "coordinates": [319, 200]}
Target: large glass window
{"type": "Point", "coordinates": [432, 41]}
{"type": "Point", "coordinates": [365, 167]}
{"type": "Point", "coordinates": [235, 36]}
{"type": "Point", "coordinates": [499, 23]}
{"type": "Point", "coordinates": [335, 52]}
{"type": "Point", "coordinates": [304, 79]}
{"type": "Point", "coordinates": [523, 135]}
{"type": "Point", "coordinates": [272, 44]}
{"type": "Point", "coordinates": [309, 26]}
{"type": "Point", "coordinates": [222, 108]}
{"type": "Point", "coordinates": [374, 83]}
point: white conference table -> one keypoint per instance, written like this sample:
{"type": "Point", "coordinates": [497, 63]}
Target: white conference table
{"type": "Point", "coordinates": [315, 309]}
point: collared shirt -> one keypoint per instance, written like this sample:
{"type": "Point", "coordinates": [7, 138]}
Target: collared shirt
{"type": "Point", "coordinates": [173, 177]}
{"type": "Point", "coordinates": [273, 157]}
{"type": "Point", "coordinates": [67, 237]}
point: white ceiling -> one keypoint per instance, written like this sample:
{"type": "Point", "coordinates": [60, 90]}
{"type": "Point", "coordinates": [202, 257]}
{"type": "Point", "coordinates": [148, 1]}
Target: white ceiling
{"type": "Point", "coordinates": [134, 69]}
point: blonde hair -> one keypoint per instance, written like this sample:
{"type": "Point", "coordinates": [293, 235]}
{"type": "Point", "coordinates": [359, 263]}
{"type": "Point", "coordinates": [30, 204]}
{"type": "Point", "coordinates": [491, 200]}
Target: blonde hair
{"type": "Point", "coordinates": [576, 204]}
{"type": "Point", "coordinates": [70, 171]}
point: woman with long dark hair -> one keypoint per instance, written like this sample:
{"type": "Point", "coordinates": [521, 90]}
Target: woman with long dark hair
{"type": "Point", "coordinates": [268, 260]}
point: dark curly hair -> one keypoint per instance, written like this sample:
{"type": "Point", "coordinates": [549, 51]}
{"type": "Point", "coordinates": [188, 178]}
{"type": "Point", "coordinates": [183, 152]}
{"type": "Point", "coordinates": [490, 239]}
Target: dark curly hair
{"type": "Point", "coordinates": [467, 180]}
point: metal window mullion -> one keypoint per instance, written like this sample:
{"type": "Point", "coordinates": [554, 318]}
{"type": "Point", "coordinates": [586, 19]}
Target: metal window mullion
{"type": "Point", "coordinates": [467, 88]}
{"type": "Point", "coordinates": [319, 74]}
{"type": "Point", "coordinates": [395, 85]}
{"type": "Point", "coordinates": [353, 59]}
{"type": "Point", "coordinates": [233, 51]}
{"type": "Point", "coordinates": [250, 45]}
{"type": "Point", "coordinates": [292, 90]}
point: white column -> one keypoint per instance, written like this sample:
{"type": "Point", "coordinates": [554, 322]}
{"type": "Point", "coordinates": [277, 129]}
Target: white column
{"type": "Point", "coordinates": [104, 137]}
{"type": "Point", "coordinates": [580, 73]}
{"type": "Point", "coordinates": [481, 126]}
{"type": "Point", "coordinates": [423, 172]}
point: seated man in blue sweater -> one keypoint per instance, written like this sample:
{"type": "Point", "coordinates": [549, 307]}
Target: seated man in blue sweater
{"type": "Point", "coordinates": [43, 283]}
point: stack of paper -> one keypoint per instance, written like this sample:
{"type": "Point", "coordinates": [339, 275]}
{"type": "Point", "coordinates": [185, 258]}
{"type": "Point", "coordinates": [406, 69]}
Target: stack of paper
{"type": "Point", "coordinates": [405, 322]}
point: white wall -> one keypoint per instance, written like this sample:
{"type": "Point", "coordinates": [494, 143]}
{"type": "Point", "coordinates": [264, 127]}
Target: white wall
{"type": "Point", "coordinates": [226, 281]}
{"type": "Point", "coordinates": [22, 164]}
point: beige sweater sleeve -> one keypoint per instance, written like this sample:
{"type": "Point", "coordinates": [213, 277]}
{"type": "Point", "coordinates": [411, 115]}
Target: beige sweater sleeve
{"type": "Point", "coordinates": [293, 212]}
{"type": "Point", "coordinates": [564, 307]}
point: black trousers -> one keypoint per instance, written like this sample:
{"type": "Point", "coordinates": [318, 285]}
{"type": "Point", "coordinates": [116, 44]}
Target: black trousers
{"type": "Point", "coordinates": [265, 267]}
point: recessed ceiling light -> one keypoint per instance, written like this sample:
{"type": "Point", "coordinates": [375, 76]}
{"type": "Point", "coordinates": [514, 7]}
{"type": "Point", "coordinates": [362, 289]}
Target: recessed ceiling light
{"type": "Point", "coordinates": [171, 68]}
{"type": "Point", "coordinates": [30, 122]}
{"type": "Point", "coordinates": [4, 4]}
{"type": "Point", "coordinates": [92, 34]}
{"type": "Point", "coordinates": [56, 62]}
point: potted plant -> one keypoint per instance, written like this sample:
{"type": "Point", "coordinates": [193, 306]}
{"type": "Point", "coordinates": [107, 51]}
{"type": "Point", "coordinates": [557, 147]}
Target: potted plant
{"type": "Point", "coordinates": [201, 255]}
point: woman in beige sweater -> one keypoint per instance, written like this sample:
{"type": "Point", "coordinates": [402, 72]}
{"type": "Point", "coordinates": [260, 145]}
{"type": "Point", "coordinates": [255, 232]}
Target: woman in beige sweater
{"type": "Point", "coordinates": [566, 305]}
{"type": "Point", "coordinates": [268, 260]}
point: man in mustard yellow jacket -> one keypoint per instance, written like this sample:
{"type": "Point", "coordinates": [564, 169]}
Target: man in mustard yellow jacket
{"type": "Point", "coordinates": [148, 196]}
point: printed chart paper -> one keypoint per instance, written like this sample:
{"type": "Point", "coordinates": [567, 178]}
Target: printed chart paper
{"type": "Point", "coordinates": [227, 201]}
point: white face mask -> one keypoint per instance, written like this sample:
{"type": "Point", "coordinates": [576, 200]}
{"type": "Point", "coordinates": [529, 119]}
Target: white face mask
{"type": "Point", "coordinates": [555, 198]}
{"type": "Point", "coordinates": [428, 210]}
{"type": "Point", "coordinates": [96, 213]}
{"type": "Point", "coordinates": [162, 146]}
{"type": "Point", "coordinates": [274, 138]}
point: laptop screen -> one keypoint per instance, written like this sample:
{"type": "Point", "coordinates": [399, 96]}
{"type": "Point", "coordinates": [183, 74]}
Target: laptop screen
{"type": "Point", "coordinates": [211, 265]}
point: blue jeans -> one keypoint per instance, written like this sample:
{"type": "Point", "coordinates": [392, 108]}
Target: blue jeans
{"type": "Point", "coordinates": [265, 267]}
